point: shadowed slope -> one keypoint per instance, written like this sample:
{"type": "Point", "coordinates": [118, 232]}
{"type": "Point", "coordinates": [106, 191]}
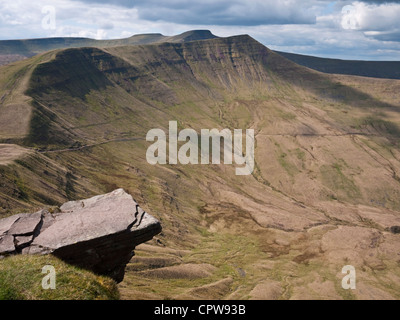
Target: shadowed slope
{"type": "Point", "coordinates": [374, 69]}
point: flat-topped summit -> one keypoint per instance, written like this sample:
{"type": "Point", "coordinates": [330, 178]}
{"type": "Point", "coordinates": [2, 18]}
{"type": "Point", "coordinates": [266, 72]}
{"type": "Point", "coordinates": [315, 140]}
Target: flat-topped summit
{"type": "Point", "coordinates": [194, 35]}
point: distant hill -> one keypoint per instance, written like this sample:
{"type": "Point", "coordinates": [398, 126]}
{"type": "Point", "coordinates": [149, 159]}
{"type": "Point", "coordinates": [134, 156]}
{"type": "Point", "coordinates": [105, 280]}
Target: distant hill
{"type": "Point", "coordinates": [14, 50]}
{"type": "Point", "coordinates": [374, 69]}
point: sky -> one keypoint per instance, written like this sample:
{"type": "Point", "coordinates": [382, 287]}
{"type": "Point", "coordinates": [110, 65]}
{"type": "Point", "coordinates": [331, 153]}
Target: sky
{"type": "Point", "coordinates": [358, 30]}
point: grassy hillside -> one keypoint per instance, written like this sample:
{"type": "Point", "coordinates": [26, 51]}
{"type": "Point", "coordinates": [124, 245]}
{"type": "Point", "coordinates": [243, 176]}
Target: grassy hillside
{"type": "Point", "coordinates": [324, 192]}
{"type": "Point", "coordinates": [21, 279]}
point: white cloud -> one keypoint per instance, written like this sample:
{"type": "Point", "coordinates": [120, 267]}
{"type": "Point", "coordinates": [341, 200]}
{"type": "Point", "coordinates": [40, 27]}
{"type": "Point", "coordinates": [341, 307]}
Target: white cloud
{"type": "Point", "coordinates": [380, 21]}
{"type": "Point", "coordinates": [373, 17]}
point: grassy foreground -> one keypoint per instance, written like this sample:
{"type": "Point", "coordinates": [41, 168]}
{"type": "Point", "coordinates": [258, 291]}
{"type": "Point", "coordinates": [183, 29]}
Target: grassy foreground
{"type": "Point", "coordinates": [21, 279]}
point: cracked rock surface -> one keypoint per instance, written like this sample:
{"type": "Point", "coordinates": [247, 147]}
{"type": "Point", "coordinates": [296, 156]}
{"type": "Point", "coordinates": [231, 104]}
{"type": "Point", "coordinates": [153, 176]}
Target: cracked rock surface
{"type": "Point", "coordinates": [98, 234]}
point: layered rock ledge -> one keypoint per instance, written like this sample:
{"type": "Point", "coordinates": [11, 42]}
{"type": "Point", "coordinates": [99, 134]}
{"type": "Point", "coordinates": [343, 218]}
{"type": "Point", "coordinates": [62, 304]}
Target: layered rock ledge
{"type": "Point", "coordinates": [98, 234]}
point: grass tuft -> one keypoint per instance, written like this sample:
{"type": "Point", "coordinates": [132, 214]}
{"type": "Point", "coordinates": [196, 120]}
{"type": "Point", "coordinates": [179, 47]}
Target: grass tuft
{"type": "Point", "coordinates": [21, 279]}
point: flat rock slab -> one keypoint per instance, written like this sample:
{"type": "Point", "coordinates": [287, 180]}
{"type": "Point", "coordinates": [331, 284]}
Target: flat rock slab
{"type": "Point", "coordinates": [91, 219]}
{"type": "Point", "coordinates": [7, 244]}
{"type": "Point", "coordinates": [6, 223]}
{"type": "Point", "coordinates": [26, 224]}
{"type": "Point", "coordinates": [98, 234]}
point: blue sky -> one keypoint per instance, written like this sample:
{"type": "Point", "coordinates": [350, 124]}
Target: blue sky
{"type": "Point", "coordinates": [368, 30]}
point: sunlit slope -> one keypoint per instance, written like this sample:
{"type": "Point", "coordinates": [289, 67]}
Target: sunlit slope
{"type": "Point", "coordinates": [327, 165]}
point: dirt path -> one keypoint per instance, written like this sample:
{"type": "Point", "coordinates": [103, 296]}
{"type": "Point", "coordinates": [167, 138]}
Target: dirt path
{"type": "Point", "coordinates": [91, 145]}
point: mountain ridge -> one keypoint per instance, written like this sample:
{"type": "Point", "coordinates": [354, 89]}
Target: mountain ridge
{"type": "Point", "coordinates": [16, 49]}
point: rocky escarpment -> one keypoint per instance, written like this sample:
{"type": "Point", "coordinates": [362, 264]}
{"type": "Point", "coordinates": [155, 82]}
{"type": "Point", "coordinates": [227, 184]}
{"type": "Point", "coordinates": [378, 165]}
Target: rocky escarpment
{"type": "Point", "coordinates": [98, 234]}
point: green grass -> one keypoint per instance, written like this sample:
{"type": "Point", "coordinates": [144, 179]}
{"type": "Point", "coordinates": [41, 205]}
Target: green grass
{"type": "Point", "coordinates": [21, 279]}
{"type": "Point", "coordinates": [286, 163]}
{"type": "Point", "coordinates": [335, 178]}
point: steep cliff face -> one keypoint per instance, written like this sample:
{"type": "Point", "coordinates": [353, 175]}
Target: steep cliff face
{"type": "Point", "coordinates": [155, 69]}
{"type": "Point", "coordinates": [66, 90]}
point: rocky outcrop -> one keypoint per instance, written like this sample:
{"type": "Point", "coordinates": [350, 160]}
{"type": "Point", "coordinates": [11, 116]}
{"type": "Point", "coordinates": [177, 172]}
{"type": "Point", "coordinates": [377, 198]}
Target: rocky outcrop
{"type": "Point", "coordinates": [98, 234]}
